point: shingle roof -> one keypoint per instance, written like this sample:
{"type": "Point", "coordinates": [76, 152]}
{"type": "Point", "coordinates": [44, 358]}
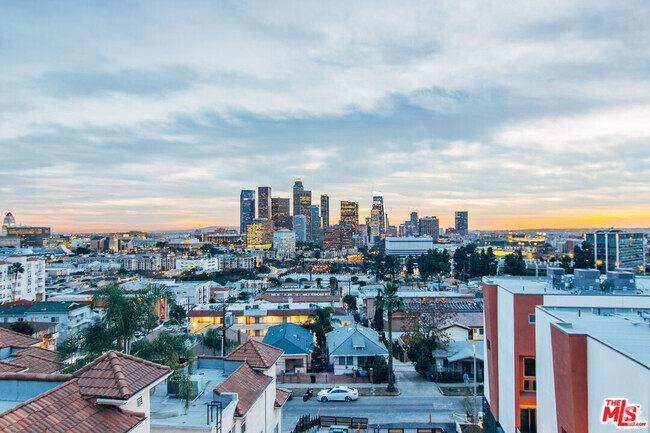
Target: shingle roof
{"type": "Point", "coordinates": [281, 397]}
{"type": "Point", "coordinates": [247, 383]}
{"type": "Point", "coordinates": [9, 338]}
{"type": "Point", "coordinates": [6, 367]}
{"type": "Point", "coordinates": [40, 352]}
{"type": "Point", "coordinates": [63, 409]}
{"type": "Point", "coordinates": [257, 354]}
{"type": "Point", "coordinates": [291, 338]}
{"type": "Point", "coordinates": [354, 340]}
{"type": "Point", "coordinates": [118, 376]}
{"type": "Point", "coordinates": [53, 307]}
{"type": "Point", "coordinates": [36, 364]}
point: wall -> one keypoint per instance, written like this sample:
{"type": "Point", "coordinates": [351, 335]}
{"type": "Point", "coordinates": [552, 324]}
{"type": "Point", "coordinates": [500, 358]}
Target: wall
{"type": "Point", "coordinates": [546, 419]}
{"type": "Point", "coordinates": [506, 359]}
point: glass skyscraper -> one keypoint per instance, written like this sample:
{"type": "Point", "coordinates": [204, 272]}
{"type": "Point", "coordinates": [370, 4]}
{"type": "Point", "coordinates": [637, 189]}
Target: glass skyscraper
{"type": "Point", "coordinates": [246, 208]}
{"type": "Point", "coordinates": [297, 190]}
{"type": "Point", "coordinates": [325, 210]}
{"type": "Point", "coordinates": [350, 214]}
{"type": "Point", "coordinates": [462, 225]}
{"type": "Point", "coordinates": [264, 202]}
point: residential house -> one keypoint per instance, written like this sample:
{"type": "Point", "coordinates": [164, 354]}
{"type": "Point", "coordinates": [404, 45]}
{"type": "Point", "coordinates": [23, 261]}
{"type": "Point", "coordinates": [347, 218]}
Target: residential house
{"type": "Point", "coordinates": [297, 344]}
{"type": "Point", "coordinates": [458, 357]}
{"type": "Point", "coordinates": [70, 316]}
{"type": "Point", "coordinates": [354, 347]}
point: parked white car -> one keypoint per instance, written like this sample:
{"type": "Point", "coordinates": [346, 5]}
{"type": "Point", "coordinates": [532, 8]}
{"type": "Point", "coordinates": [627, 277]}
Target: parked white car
{"type": "Point", "coordinates": [338, 393]}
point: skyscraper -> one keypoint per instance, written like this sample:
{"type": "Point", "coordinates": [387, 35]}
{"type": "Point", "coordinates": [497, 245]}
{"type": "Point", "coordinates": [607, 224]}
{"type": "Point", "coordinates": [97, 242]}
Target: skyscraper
{"type": "Point", "coordinates": [300, 227]}
{"type": "Point", "coordinates": [264, 202]}
{"type": "Point", "coordinates": [246, 208]}
{"type": "Point", "coordinates": [325, 210]}
{"type": "Point", "coordinates": [297, 190]}
{"type": "Point", "coordinates": [281, 213]}
{"type": "Point", "coordinates": [350, 213]}
{"type": "Point", "coordinates": [462, 225]}
{"type": "Point", "coordinates": [377, 218]}
{"type": "Point", "coordinates": [9, 221]}
{"type": "Point", "coordinates": [315, 223]}
{"type": "Point", "coordinates": [259, 233]}
{"type": "Point", "coordinates": [305, 209]}
{"type": "Point", "coordinates": [614, 248]}
{"type": "Point", "coordinates": [430, 226]}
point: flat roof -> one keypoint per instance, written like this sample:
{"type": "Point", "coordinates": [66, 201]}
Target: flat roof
{"type": "Point", "coordinates": [542, 286]}
{"type": "Point", "coordinates": [623, 329]}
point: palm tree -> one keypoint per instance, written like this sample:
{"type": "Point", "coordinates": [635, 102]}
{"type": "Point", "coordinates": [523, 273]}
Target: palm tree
{"type": "Point", "coordinates": [15, 269]}
{"type": "Point", "coordinates": [123, 313]}
{"type": "Point", "coordinates": [161, 296]}
{"type": "Point", "coordinates": [320, 324]}
{"type": "Point", "coordinates": [388, 300]}
{"type": "Point", "coordinates": [212, 340]}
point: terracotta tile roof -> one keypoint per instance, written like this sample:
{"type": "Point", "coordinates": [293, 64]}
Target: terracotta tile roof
{"type": "Point", "coordinates": [36, 364]}
{"type": "Point", "coordinates": [63, 409]}
{"type": "Point", "coordinates": [118, 376]}
{"type": "Point", "coordinates": [9, 338]}
{"type": "Point", "coordinates": [257, 354]}
{"type": "Point", "coordinates": [281, 396]}
{"type": "Point", "coordinates": [247, 383]}
{"type": "Point", "coordinates": [50, 355]}
{"type": "Point", "coordinates": [6, 367]}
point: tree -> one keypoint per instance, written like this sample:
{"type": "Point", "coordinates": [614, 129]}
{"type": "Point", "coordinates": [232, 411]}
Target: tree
{"type": "Point", "coordinates": [410, 265]}
{"type": "Point", "coordinates": [177, 312]}
{"type": "Point", "coordinates": [350, 301]}
{"type": "Point", "coordinates": [212, 340]}
{"type": "Point", "coordinates": [389, 300]}
{"type": "Point", "coordinates": [22, 327]}
{"type": "Point", "coordinates": [583, 256]}
{"type": "Point", "coordinates": [320, 324]}
{"type": "Point", "coordinates": [514, 264]}
{"type": "Point", "coordinates": [15, 269]}
{"type": "Point", "coordinates": [160, 297]}
{"type": "Point", "coordinates": [378, 320]}
{"type": "Point", "coordinates": [167, 349]}
{"type": "Point", "coordinates": [121, 312]}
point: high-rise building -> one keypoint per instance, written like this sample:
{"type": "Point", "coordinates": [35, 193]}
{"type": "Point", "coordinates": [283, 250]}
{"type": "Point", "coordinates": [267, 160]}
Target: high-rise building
{"type": "Point", "coordinates": [462, 225]}
{"type": "Point", "coordinates": [284, 241]}
{"type": "Point", "coordinates": [264, 202]}
{"type": "Point", "coordinates": [338, 237]}
{"type": "Point", "coordinates": [297, 190]}
{"type": "Point", "coordinates": [616, 249]}
{"type": "Point", "coordinates": [377, 218]}
{"type": "Point", "coordinates": [281, 213]}
{"type": "Point", "coordinates": [325, 210]}
{"type": "Point", "coordinates": [259, 234]}
{"type": "Point", "coordinates": [246, 208]}
{"type": "Point", "coordinates": [350, 213]}
{"type": "Point", "coordinates": [9, 221]}
{"type": "Point", "coordinates": [30, 236]}
{"type": "Point", "coordinates": [315, 223]}
{"type": "Point", "coordinates": [430, 226]}
{"type": "Point", "coordinates": [300, 227]}
{"type": "Point", "coordinates": [305, 209]}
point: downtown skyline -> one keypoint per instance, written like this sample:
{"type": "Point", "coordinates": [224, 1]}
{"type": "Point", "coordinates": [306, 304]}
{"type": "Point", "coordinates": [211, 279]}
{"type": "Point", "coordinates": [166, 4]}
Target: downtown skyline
{"type": "Point", "coordinates": [154, 117]}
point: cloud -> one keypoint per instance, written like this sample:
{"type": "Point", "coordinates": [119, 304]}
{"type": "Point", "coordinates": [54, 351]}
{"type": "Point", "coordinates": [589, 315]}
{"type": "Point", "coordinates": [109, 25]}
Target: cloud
{"type": "Point", "coordinates": [130, 114]}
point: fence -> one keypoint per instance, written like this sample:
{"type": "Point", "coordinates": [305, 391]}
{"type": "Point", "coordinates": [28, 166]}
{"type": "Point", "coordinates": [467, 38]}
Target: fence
{"type": "Point", "coordinates": [306, 422]}
{"type": "Point", "coordinates": [321, 378]}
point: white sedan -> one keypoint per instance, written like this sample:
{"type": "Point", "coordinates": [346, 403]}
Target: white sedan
{"type": "Point", "coordinates": [338, 393]}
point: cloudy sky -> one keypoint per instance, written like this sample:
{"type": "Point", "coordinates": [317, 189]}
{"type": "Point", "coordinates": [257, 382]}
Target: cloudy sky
{"type": "Point", "coordinates": [153, 115]}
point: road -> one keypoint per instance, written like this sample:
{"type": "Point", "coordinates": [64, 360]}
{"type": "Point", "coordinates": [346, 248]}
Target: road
{"type": "Point", "coordinates": [376, 409]}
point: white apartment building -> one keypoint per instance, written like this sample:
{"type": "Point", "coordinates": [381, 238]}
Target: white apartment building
{"type": "Point", "coordinates": [284, 242]}
{"type": "Point", "coordinates": [409, 246]}
{"type": "Point", "coordinates": [209, 264]}
{"type": "Point", "coordinates": [28, 285]}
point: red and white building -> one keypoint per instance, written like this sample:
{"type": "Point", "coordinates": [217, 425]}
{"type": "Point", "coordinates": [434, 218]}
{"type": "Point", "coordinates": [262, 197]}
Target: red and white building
{"type": "Point", "coordinates": [550, 369]}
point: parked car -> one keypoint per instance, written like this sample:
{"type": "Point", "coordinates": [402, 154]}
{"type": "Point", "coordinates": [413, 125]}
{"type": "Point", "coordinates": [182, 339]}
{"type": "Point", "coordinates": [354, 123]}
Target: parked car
{"type": "Point", "coordinates": [338, 393]}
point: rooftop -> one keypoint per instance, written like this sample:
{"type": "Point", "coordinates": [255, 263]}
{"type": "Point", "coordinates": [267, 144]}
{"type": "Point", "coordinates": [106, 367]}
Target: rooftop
{"type": "Point", "coordinates": [247, 383]}
{"type": "Point", "coordinates": [541, 286]}
{"type": "Point", "coordinates": [625, 330]}
{"type": "Point", "coordinates": [255, 353]}
{"type": "Point", "coordinates": [291, 338]}
{"type": "Point", "coordinates": [9, 338]}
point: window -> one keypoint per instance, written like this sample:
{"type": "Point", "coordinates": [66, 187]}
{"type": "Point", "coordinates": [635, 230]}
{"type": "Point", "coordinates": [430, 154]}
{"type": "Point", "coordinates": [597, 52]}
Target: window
{"type": "Point", "coordinates": [139, 401]}
{"type": "Point", "coordinates": [488, 344]}
{"type": "Point", "coordinates": [528, 420]}
{"type": "Point", "coordinates": [531, 319]}
{"type": "Point", "coordinates": [425, 430]}
{"type": "Point", "coordinates": [480, 331]}
{"type": "Point", "coordinates": [530, 382]}
{"type": "Point", "coordinates": [243, 427]}
{"type": "Point", "coordinates": [395, 430]}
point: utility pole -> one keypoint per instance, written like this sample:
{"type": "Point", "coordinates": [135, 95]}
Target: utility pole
{"type": "Point", "coordinates": [475, 404]}
{"type": "Point", "coordinates": [223, 331]}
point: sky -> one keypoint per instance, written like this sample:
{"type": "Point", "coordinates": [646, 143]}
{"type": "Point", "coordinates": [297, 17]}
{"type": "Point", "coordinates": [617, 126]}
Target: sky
{"type": "Point", "coordinates": [154, 115]}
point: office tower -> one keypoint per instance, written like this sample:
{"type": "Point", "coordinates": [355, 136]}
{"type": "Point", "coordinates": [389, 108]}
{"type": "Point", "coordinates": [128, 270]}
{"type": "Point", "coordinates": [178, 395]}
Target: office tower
{"type": "Point", "coordinates": [414, 218]}
{"type": "Point", "coordinates": [305, 209]}
{"type": "Point", "coordinates": [9, 221]}
{"type": "Point", "coordinates": [30, 236]}
{"type": "Point", "coordinates": [325, 210]}
{"type": "Point", "coordinates": [430, 226]}
{"type": "Point", "coordinates": [614, 248]}
{"type": "Point", "coordinates": [462, 222]}
{"type": "Point", "coordinates": [264, 202]}
{"type": "Point", "coordinates": [281, 213]}
{"type": "Point", "coordinates": [284, 241]}
{"type": "Point", "coordinates": [315, 224]}
{"type": "Point", "coordinates": [350, 213]}
{"type": "Point", "coordinates": [259, 234]}
{"type": "Point", "coordinates": [377, 218]}
{"type": "Point", "coordinates": [300, 227]}
{"type": "Point", "coordinates": [338, 237]}
{"type": "Point", "coordinates": [297, 190]}
{"type": "Point", "coordinates": [246, 208]}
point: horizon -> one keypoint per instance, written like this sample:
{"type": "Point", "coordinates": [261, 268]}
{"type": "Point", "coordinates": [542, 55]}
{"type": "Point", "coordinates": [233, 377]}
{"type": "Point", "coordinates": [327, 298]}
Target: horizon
{"type": "Point", "coordinates": [138, 114]}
